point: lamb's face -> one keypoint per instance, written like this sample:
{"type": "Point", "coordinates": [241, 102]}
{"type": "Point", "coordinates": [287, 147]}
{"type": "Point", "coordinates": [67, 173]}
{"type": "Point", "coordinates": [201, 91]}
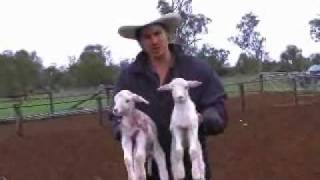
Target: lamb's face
{"type": "Point", "coordinates": [180, 90]}
{"type": "Point", "coordinates": [123, 103]}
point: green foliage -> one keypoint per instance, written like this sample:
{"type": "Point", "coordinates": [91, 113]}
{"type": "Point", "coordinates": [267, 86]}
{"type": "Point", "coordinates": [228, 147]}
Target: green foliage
{"type": "Point", "coordinates": [217, 58]}
{"type": "Point", "coordinates": [188, 34]}
{"type": "Point", "coordinates": [247, 64]}
{"type": "Point", "coordinates": [192, 24]}
{"type": "Point", "coordinates": [315, 58]}
{"type": "Point", "coordinates": [248, 39]}
{"type": "Point", "coordinates": [270, 66]}
{"type": "Point", "coordinates": [94, 67]}
{"type": "Point", "coordinates": [19, 72]}
{"type": "Point", "coordinates": [315, 29]}
{"type": "Point", "coordinates": [51, 78]}
{"type": "Point", "coordinates": [22, 72]}
{"type": "Point", "coordinates": [292, 59]}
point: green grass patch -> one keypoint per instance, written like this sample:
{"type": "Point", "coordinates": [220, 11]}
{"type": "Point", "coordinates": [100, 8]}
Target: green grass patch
{"type": "Point", "coordinates": [40, 104]}
{"type": "Point", "coordinates": [34, 106]}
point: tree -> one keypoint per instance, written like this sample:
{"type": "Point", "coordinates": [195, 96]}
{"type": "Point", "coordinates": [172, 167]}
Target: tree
{"type": "Point", "coordinates": [315, 29]}
{"type": "Point", "coordinates": [247, 64]}
{"type": "Point", "coordinates": [248, 39]}
{"type": "Point", "coordinates": [93, 67]}
{"type": "Point", "coordinates": [292, 59]}
{"type": "Point", "coordinates": [19, 72]}
{"type": "Point", "coordinates": [315, 58]}
{"type": "Point", "coordinates": [52, 78]}
{"type": "Point", "coordinates": [217, 58]}
{"type": "Point", "coordinates": [28, 68]}
{"type": "Point", "coordinates": [270, 66]}
{"type": "Point", "coordinates": [192, 24]}
{"type": "Point", "coordinates": [97, 52]}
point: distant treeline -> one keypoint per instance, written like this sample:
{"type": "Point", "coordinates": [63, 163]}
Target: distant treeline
{"type": "Point", "coordinates": [23, 73]}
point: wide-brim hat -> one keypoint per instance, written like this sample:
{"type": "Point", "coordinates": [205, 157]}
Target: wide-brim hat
{"type": "Point", "coordinates": [171, 22]}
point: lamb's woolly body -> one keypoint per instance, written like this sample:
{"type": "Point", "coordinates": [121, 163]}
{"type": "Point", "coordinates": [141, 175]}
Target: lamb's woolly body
{"type": "Point", "coordinates": [184, 115]}
{"type": "Point", "coordinates": [138, 121]}
{"type": "Point", "coordinates": [184, 128]}
{"type": "Point", "coordinates": [139, 139]}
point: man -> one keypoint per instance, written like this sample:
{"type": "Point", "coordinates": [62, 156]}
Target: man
{"type": "Point", "coordinates": [158, 63]}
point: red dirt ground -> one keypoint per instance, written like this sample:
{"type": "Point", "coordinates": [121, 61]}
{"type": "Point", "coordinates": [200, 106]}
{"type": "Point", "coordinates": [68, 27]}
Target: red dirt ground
{"type": "Point", "coordinates": [280, 142]}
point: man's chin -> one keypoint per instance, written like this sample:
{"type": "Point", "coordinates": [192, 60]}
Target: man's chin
{"type": "Point", "coordinates": [157, 55]}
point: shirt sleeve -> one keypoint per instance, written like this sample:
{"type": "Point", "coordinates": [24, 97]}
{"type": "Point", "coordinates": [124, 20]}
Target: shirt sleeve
{"type": "Point", "coordinates": [212, 105]}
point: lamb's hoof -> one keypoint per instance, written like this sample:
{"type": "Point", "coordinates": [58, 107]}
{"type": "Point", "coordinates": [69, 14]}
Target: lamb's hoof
{"type": "Point", "coordinates": [196, 175]}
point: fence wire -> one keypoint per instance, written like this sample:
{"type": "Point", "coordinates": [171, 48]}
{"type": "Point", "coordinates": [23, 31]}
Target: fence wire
{"type": "Point", "coordinates": [51, 105]}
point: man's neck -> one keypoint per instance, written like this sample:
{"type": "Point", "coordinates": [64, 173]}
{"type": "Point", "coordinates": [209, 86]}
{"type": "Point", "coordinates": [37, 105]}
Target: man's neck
{"type": "Point", "coordinates": [164, 61]}
{"type": "Point", "coordinates": [162, 65]}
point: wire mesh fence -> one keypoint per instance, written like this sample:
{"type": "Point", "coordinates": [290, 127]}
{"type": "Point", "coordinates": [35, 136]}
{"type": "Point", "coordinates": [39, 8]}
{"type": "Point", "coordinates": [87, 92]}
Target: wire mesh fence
{"type": "Point", "coordinates": [52, 105]}
{"type": "Point", "coordinates": [49, 104]}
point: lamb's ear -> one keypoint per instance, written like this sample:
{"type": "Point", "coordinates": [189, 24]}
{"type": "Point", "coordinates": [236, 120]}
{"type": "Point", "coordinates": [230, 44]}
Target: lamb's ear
{"type": "Point", "coordinates": [193, 84]}
{"type": "Point", "coordinates": [115, 97]}
{"type": "Point", "coordinates": [138, 98]}
{"type": "Point", "coordinates": [166, 87]}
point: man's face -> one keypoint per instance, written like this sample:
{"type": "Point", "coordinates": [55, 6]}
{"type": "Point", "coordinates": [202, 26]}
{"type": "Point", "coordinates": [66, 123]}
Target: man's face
{"type": "Point", "coordinates": [154, 40]}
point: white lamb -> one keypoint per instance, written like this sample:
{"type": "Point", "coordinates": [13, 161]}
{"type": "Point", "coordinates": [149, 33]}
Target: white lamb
{"type": "Point", "coordinates": [184, 128]}
{"type": "Point", "coordinates": [139, 138]}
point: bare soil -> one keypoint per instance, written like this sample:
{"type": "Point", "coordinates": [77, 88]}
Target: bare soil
{"type": "Point", "coordinates": [274, 139]}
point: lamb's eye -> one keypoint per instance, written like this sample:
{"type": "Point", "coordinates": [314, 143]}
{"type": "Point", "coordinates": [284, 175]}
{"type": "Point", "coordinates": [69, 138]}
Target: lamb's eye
{"type": "Point", "coordinates": [127, 101]}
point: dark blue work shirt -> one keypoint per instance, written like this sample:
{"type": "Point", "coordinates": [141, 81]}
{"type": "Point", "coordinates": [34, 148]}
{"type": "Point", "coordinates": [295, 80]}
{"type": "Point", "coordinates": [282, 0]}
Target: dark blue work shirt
{"type": "Point", "coordinates": [209, 97]}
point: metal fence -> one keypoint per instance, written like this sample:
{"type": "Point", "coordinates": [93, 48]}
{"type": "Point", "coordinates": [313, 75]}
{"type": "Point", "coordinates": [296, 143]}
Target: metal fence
{"type": "Point", "coordinates": [297, 84]}
{"type": "Point", "coordinates": [48, 105]}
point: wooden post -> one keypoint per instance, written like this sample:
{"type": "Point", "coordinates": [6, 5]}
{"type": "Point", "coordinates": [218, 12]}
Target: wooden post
{"type": "Point", "coordinates": [51, 102]}
{"type": "Point", "coordinates": [261, 83]}
{"type": "Point", "coordinates": [19, 120]}
{"type": "Point", "coordinates": [295, 93]}
{"type": "Point", "coordinates": [242, 95]}
{"type": "Point", "coordinates": [108, 89]}
{"type": "Point", "coordinates": [100, 110]}
{"type": "Point", "coordinates": [108, 97]}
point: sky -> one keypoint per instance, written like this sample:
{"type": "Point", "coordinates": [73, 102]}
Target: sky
{"type": "Point", "coordinates": [57, 29]}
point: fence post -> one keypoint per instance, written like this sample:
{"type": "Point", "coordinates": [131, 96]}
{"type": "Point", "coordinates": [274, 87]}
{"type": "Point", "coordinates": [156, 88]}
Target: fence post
{"type": "Point", "coordinates": [19, 119]}
{"type": "Point", "coordinates": [108, 89]}
{"type": "Point", "coordinates": [295, 93]}
{"type": "Point", "coordinates": [261, 83]}
{"type": "Point", "coordinates": [242, 95]}
{"type": "Point", "coordinates": [100, 109]}
{"type": "Point", "coordinates": [51, 102]}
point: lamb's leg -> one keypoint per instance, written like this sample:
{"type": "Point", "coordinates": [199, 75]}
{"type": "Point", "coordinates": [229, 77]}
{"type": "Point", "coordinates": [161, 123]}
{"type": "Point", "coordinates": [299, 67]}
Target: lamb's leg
{"type": "Point", "coordinates": [160, 159]}
{"type": "Point", "coordinates": [201, 163]}
{"type": "Point", "coordinates": [195, 151]}
{"type": "Point", "coordinates": [177, 164]}
{"type": "Point", "coordinates": [128, 156]}
{"type": "Point", "coordinates": [140, 155]}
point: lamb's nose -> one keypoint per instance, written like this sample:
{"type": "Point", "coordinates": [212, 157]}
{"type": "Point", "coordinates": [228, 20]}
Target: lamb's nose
{"type": "Point", "coordinates": [115, 111]}
{"type": "Point", "coordinates": [180, 98]}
